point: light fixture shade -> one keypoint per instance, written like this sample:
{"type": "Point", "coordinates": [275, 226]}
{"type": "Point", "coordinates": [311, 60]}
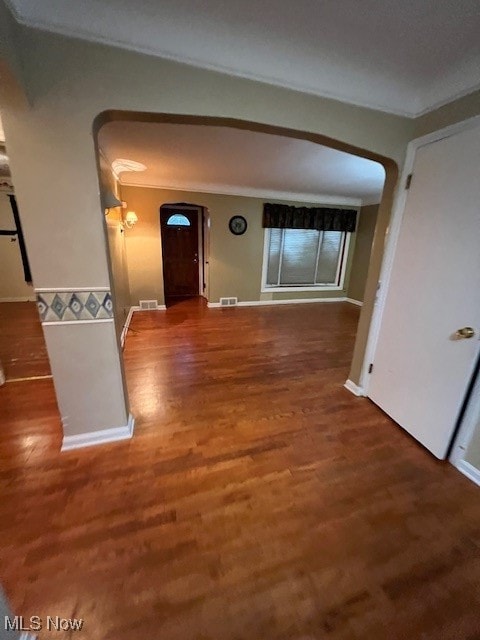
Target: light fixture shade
{"type": "Point", "coordinates": [131, 218]}
{"type": "Point", "coordinates": [110, 200]}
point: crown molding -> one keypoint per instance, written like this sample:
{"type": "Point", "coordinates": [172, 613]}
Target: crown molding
{"type": "Point", "coordinates": [64, 30]}
{"type": "Point", "coordinates": [248, 192]}
{"type": "Point", "coordinates": [441, 103]}
{"type": "Point", "coordinates": [81, 34]}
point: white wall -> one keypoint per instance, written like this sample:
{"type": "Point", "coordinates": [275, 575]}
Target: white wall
{"type": "Point", "coordinates": [120, 276]}
{"type": "Point", "coordinates": [120, 285]}
{"type": "Point", "coordinates": [12, 281]}
{"type": "Point", "coordinates": [366, 224]}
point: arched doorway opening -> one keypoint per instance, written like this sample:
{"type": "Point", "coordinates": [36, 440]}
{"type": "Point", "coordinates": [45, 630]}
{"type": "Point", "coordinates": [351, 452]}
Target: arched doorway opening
{"type": "Point", "coordinates": [384, 209]}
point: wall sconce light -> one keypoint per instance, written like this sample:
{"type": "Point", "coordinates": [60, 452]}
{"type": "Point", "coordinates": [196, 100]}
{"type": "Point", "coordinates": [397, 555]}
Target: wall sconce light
{"type": "Point", "coordinates": [130, 219]}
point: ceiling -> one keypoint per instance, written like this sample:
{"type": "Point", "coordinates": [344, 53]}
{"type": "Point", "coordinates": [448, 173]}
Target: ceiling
{"type": "Point", "coordinates": [234, 161]}
{"type": "Point", "coordinates": [402, 57]}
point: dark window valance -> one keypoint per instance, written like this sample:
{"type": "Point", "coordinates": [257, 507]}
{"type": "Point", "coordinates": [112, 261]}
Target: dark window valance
{"type": "Point", "coordinates": [283, 216]}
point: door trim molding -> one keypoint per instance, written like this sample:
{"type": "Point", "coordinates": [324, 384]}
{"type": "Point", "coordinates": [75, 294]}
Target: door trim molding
{"type": "Point", "coordinates": [468, 424]}
{"type": "Point", "coordinates": [394, 234]}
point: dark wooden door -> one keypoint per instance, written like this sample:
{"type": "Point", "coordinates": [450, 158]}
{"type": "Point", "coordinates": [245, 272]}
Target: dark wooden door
{"type": "Point", "coordinates": [179, 229]}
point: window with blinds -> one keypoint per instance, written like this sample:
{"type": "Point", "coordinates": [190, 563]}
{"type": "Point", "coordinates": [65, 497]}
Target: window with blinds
{"type": "Point", "coordinates": [305, 258]}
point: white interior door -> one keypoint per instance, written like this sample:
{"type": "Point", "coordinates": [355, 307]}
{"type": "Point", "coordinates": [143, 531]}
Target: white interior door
{"type": "Point", "coordinates": [421, 369]}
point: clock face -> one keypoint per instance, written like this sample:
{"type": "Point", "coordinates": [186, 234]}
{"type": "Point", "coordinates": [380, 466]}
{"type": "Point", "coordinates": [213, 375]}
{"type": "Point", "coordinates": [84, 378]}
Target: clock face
{"type": "Point", "coordinates": [237, 225]}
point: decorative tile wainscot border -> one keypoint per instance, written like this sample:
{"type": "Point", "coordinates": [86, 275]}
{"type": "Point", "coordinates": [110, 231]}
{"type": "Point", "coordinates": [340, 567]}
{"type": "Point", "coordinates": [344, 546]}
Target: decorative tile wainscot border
{"type": "Point", "coordinates": [82, 305]}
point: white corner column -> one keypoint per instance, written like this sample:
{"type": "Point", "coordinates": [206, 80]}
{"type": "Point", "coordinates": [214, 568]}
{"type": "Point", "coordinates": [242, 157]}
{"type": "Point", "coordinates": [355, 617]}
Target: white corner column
{"type": "Point", "coordinates": [82, 345]}
{"type": "Point", "coordinates": [56, 183]}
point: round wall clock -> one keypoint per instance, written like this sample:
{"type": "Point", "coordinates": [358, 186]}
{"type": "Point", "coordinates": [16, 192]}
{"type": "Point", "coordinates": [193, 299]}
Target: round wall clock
{"type": "Point", "coordinates": [237, 225]}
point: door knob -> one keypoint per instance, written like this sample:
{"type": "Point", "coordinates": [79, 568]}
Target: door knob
{"type": "Point", "coordinates": [465, 332]}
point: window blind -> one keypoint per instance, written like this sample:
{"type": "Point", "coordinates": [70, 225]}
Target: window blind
{"type": "Point", "coordinates": [307, 257]}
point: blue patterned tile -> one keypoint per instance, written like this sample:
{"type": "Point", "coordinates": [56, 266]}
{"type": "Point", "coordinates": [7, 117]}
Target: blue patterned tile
{"type": "Point", "coordinates": [68, 306]}
{"type": "Point", "coordinates": [76, 306]}
{"type": "Point", "coordinates": [93, 305]}
{"type": "Point", "coordinates": [42, 307]}
{"type": "Point", "coordinates": [107, 304]}
{"type": "Point", "coordinates": [58, 306]}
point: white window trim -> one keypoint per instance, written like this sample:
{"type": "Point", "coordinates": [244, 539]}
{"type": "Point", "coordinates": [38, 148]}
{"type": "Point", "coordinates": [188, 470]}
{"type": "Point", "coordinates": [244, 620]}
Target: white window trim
{"type": "Point", "coordinates": [265, 288]}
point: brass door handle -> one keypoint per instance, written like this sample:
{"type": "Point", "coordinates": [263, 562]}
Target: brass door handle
{"type": "Point", "coordinates": [465, 333]}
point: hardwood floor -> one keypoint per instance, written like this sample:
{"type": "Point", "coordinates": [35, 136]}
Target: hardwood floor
{"type": "Point", "coordinates": [23, 353]}
{"type": "Point", "coordinates": [257, 500]}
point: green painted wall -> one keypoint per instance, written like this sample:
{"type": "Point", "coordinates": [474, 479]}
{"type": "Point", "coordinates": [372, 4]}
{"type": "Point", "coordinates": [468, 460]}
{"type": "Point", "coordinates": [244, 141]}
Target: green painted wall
{"type": "Point", "coordinates": [235, 261]}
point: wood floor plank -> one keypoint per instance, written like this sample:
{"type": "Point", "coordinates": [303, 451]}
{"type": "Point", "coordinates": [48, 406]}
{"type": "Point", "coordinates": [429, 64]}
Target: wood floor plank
{"type": "Point", "coordinates": [22, 346]}
{"type": "Point", "coordinates": [258, 498]}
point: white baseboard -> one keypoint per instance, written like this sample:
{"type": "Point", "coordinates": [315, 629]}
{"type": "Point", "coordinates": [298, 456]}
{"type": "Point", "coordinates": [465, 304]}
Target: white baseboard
{"type": "Point", "coordinates": [99, 437]}
{"type": "Point", "coordinates": [132, 310]}
{"type": "Point", "coordinates": [21, 299]}
{"type": "Point", "coordinates": [354, 388]}
{"type": "Point", "coordinates": [468, 470]}
{"type": "Point", "coordinates": [359, 303]}
{"type": "Point", "coordinates": [125, 326]}
{"type": "Point", "coordinates": [266, 303]}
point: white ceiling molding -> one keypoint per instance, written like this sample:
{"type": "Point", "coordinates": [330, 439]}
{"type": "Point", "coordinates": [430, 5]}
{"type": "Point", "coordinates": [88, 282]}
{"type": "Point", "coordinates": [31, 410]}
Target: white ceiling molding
{"type": "Point", "coordinates": [225, 190]}
{"type": "Point", "coordinates": [456, 86]}
{"type": "Point", "coordinates": [404, 58]}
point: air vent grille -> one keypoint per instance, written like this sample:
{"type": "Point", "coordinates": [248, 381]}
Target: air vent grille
{"type": "Point", "coordinates": [228, 302]}
{"type": "Point", "coordinates": [146, 305]}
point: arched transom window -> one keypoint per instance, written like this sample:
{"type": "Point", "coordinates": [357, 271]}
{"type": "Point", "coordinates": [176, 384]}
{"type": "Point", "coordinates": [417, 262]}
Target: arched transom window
{"type": "Point", "coordinates": [178, 220]}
